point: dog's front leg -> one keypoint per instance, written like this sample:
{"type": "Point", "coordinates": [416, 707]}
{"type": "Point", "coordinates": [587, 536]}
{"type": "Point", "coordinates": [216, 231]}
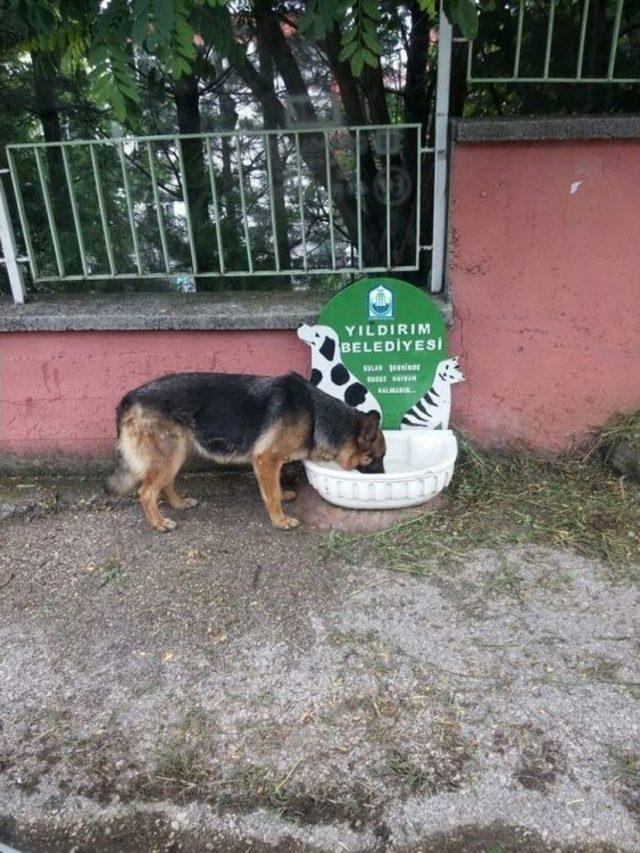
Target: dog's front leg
{"type": "Point", "coordinates": [267, 467]}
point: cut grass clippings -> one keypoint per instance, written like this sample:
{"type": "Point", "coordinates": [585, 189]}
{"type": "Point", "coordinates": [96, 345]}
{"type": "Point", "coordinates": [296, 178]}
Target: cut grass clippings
{"type": "Point", "coordinates": [499, 499]}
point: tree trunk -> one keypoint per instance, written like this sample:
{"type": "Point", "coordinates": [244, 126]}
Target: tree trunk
{"type": "Point", "coordinates": [373, 220]}
{"type": "Point", "coordinates": [196, 179]}
{"type": "Point", "coordinates": [270, 120]}
{"type": "Point", "coordinates": [231, 227]}
{"type": "Point", "coordinates": [45, 83]}
{"type": "Point", "coordinates": [312, 145]}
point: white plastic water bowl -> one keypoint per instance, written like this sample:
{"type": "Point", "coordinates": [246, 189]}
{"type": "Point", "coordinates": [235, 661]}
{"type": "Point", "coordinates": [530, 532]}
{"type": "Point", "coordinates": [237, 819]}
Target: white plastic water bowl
{"type": "Point", "coordinates": [418, 465]}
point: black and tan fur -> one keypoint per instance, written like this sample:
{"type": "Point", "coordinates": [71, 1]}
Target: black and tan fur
{"type": "Point", "coordinates": [225, 417]}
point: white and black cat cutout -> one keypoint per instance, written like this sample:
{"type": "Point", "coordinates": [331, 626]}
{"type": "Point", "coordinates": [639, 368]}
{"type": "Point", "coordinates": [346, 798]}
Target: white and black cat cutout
{"type": "Point", "coordinates": [433, 410]}
{"type": "Point", "coordinates": [329, 374]}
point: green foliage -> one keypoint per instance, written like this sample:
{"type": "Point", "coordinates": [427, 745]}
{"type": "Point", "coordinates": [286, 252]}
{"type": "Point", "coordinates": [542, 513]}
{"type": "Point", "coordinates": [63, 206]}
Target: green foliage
{"type": "Point", "coordinates": [359, 23]}
{"type": "Point", "coordinates": [108, 35]}
{"type": "Point", "coordinates": [111, 72]}
{"type": "Point", "coordinates": [464, 14]}
{"type": "Point", "coordinates": [319, 16]}
{"type": "Point", "coordinates": [360, 42]}
{"type": "Point", "coordinates": [428, 6]}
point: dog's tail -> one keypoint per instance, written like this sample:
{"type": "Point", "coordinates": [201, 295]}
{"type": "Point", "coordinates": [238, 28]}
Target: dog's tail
{"type": "Point", "coordinates": [122, 480]}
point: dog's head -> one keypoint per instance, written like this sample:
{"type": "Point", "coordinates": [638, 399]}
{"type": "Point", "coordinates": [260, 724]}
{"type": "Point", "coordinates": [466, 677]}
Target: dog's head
{"type": "Point", "coordinates": [367, 448]}
{"type": "Point", "coordinates": [321, 338]}
{"type": "Point", "coordinates": [449, 371]}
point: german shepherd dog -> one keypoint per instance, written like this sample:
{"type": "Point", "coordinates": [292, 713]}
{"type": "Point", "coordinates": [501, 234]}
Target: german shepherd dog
{"type": "Point", "coordinates": [235, 418]}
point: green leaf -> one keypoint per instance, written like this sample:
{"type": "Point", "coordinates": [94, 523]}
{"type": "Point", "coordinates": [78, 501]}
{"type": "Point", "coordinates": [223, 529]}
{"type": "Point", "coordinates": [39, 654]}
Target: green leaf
{"type": "Point", "coordinates": [347, 51]}
{"type": "Point", "coordinates": [327, 12]}
{"type": "Point", "coordinates": [164, 20]}
{"type": "Point", "coordinates": [465, 14]}
{"type": "Point", "coordinates": [187, 49]}
{"type": "Point", "coordinates": [141, 20]}
{"type": "Point", "coordinates": [318, 17]}
{"type": "Point", "coordinates": [119, 105]}
{"type": "Point", "coordinates": [371, 9]}
{"type": "Point", "coordinates": [371, 40]}
{"type": "Point", "coordinates": [183, 66]}
{"type": "Point", "coordinates": [369, 58]}
{"type": "Point", "coordinates": [357, 64]}
{"type": "Point", "coordinates": [308, 18]}
{"type": "Point", "coordinates": [98, 55]}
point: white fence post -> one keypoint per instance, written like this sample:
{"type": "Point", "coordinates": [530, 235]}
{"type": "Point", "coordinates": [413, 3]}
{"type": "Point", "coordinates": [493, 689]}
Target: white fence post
{"type": "Point", "coordinates": [9, 247]}
{"type": "Point", "coordinates": [441, 155]}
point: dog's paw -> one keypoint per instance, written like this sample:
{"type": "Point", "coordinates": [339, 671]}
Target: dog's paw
{"type": "Point", "coordinates": [189, 503]}
{"type": "Point", "coordinates": [166, 525]}
{"type": "Point", "coordinates": [287, 522]}
{"type": "Point", "coordinates": [289, 495]}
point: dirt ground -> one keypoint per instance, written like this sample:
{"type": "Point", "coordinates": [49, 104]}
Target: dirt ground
{"type": "Point", "coordinates": [229, 687]}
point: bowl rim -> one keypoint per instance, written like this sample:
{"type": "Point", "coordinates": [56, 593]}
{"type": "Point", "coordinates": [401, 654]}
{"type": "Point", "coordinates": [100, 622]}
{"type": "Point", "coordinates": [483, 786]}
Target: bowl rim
{"type": "Point", "coordinates": [322, 469]}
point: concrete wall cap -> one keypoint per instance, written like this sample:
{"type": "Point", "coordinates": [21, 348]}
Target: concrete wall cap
{"type": "Point", "coordinates": [546, 128]}
{"type": "Point", "coordinates": [185, 312]}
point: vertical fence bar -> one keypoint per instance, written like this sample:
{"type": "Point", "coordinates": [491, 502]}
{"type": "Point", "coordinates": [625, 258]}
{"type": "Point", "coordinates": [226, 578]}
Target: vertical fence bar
{"type": "Point", "coordinates": [127, 195]}
{"type": "Point", "coordinates": [330, 191]}
{"type": "Point", "coordinates": [469, 56]}
{"type": "Point", "coordinates": [272, 206]}
{"type": "Point", "coordinates": [158, 207]}
{"type": "Point", "coordinates": [22, 214]}
{"type": "Point", "coordinates": [387, 185]}
{"type": "Point", "coordinates": [516, 61]}
{"type": "Point", "coordinates": [10, 248]}
{"type": "Point", "coordinates": [187, 208]}
{"type": "Point", "coordinates": [49, 210]}
{"type": "Point", "coordinates": [583, 33]}
{"type": "Point", "coordinates": [359, 198]}
{"type": "Point", "coordinates": [216, 206]}
{"type": "Point", "coordinates": [103, 209]}
{"type": "Point", "coordinates": [440, 155]}
{"type": "Point", "coordinates": [547, 52]}
{"type": "Point", "coordinates": [301, 202]}
{"type": "Point", "coordinates": [614, 40]}
{"type": "Point", "coordinates": [418, 193]}
{"type": "Point", "coordinates": [74, 210]}
{"type": "Point", "coordinates": [243, 205]}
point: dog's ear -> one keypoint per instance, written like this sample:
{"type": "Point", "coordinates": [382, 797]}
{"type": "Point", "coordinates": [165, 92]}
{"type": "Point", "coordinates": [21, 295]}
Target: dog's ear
{"type": "Point", "coordinates": [368, 427]}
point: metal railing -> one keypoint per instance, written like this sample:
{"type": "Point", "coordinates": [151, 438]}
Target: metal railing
{"type": "Point", "coordinates": [10, 259]}
{"type": "Point", "coordinates": [575, 49]}
{"type": "Point", "coordinates": [142, 224]}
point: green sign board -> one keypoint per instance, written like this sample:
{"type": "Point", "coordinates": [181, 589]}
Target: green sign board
{"type": "Point", "coordinates": [383, 334]}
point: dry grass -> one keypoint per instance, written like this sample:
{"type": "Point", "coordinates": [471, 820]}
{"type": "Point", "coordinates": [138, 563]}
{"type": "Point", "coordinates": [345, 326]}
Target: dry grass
{"type": "Point", "coordinates": [573, 501]}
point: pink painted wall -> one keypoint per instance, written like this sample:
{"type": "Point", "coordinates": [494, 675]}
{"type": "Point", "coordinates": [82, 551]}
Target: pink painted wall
{"type": "Point", "coordinates": [546, 290]}
{"type": "Point", "coordinates": [58, 390]}
{"type": "Point", "coordinates": [545, 277]}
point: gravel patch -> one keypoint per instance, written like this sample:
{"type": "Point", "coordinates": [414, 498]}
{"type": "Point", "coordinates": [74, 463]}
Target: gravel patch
{"type": "Point", "coordinates": [231, 687]}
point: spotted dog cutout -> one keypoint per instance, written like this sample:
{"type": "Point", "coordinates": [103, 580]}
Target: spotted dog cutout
{"type": "Point", "coordinates": [330, 375]}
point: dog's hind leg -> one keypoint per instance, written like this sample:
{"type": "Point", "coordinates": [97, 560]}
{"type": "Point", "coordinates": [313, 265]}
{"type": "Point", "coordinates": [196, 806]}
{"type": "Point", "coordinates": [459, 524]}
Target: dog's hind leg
{"type": "Point", "coordinates": [155, 449]}
{"type": "Point", "coordinates": [178, 501]}
{"type": "Point", "coordinates": [267, 467]}
{"type": "Point", "coordinates": [149, 493]}
{"type": "Point", "coordinates": [159, 479]}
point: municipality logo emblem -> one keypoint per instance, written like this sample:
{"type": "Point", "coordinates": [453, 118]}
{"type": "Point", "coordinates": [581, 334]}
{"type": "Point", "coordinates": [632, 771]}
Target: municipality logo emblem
{"type": "Point", "coordinates": [380, 303]}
